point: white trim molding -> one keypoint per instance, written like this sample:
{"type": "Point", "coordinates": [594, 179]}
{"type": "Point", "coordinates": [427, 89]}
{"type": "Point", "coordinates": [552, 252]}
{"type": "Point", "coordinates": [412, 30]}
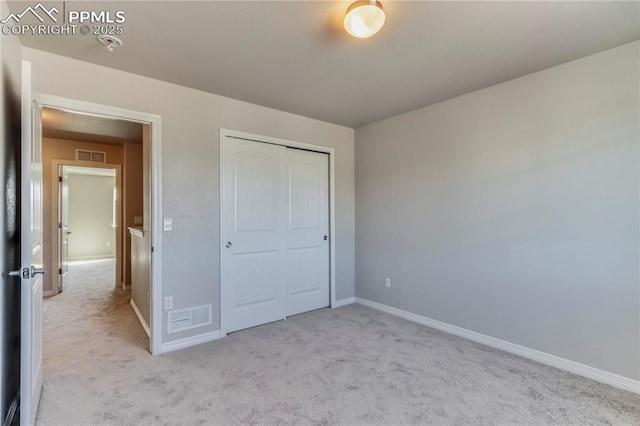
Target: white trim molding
{"type": "Point", "coordinates": [191, 341]}
{"type": "Point", "coordinates": [606, 377]}
{"type": "Point", "coordinates": [344, 302]}
{"type": "Point", "coordinates": [140, 318]}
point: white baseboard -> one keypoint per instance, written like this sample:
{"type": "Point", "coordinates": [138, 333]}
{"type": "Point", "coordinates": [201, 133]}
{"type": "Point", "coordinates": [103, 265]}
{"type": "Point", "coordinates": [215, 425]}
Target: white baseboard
{"type": "Point", "coordinates": [344, 302]}
{"type": "Point", "coordinates": [191, 341]}
{"type": "Point", "coordinates": [542, 357]}
{"type": "Point", "coordinates": [140, 318]}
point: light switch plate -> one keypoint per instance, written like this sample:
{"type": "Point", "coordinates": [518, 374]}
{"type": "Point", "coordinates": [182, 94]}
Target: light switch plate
{"type": "Point", "coordinates": [168, 224]}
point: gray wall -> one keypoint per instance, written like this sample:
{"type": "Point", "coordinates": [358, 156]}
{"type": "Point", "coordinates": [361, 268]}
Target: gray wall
{"type": "Point", "coordinates": [91, 217]}
{"type": "Point", "coordinates": [10, 133]}
{"type": "Point", "coordinates": [513, 211]}
{"type": "Point", "coordinates": [191, 121]}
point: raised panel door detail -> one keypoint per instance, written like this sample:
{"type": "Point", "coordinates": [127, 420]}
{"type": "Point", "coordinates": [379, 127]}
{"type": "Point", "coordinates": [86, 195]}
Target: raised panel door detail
{"type": "Point", "coordinates": [305, 196]}
{"type": "Point", "coordinates": [303, 270]}
{"type": "Point", "coordinates": [256, 278]}
{"type": "Point", "coordinates": [256, 192]}
{"type": "Point", "coordinates": [36, 338]}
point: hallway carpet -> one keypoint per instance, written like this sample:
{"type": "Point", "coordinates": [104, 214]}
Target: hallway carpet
{"type": "Point", "coordinates": [351, 366]}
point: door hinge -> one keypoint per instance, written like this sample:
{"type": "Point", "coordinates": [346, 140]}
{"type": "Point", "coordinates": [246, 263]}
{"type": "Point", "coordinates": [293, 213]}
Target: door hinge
{"type": "Point", "coordinates": [151, 249]}
{"type": "Point", "coordinates": [60, 271]}
{"type": "Point", "coordinates": [60, 225]}
{"type": "Point", "coordinates": [60, 179]}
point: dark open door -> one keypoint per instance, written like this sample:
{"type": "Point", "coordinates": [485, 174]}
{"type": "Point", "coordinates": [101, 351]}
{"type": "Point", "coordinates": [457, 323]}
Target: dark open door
{"type": "Point", "coordinates": [10, 158]}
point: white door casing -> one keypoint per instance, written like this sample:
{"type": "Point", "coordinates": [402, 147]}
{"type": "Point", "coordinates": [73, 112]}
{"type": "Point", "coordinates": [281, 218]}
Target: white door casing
{"type": "Point", "coordinates": [31, 254]}
{"type": "Point", "coordinates": [274, 219]}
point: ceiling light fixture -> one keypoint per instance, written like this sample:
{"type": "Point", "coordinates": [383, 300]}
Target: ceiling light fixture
{"type": "Point", "coordinates": [110, 41]}
{"type": "Point", "coordinates": [364, 18]}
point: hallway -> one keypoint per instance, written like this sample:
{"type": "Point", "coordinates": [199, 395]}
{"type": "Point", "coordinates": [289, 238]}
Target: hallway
{"type": "Point", "coordinates": [85, 325]}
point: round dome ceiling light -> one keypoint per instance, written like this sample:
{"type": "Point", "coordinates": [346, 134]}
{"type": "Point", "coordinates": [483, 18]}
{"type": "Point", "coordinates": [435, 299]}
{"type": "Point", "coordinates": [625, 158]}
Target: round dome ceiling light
{"type": "Point", "coordinates": [364, 18]}
{"type": "Point", "coordinates": [110, 41]}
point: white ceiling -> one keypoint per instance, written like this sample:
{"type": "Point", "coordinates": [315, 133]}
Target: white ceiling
{"type": "Point", "coordinates": [295, 56]}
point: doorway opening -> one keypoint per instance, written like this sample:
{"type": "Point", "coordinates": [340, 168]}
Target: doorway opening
{"type": "Point", "coordinates": [97, 199]}
{"type": "Point", "coordinates": [88, 221]}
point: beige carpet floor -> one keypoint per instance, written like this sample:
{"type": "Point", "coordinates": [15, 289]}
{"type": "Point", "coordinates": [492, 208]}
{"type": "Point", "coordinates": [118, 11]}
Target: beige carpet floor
{"type": "Point", "coordinates": [352, 366]}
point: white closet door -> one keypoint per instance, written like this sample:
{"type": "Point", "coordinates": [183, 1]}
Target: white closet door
{"type": "Point", "coordinates": [307, 231]}
{"type": "Point", "coordinates": [254, 233]}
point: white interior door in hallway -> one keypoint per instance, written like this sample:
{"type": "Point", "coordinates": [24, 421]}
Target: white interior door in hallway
{"type": "Point", "coordinates": [275, 230]}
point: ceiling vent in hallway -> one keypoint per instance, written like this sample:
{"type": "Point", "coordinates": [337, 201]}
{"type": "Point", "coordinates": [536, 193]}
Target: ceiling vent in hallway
{"type": "Point", "coordinates": [94, 156]}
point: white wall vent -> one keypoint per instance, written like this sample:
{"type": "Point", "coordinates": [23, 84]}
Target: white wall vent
{"type": "Point", "coordinates": [186, 319]}
{"type": "Point", "coordinates": [94, 156]}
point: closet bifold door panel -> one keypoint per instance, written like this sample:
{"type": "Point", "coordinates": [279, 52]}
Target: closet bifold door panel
{"type": "Point", "coordinates": [307, 231]}
{"type": "Point", "coordinates": [254, 235]}
{"type": "Point", "coordinates": [275, 232]}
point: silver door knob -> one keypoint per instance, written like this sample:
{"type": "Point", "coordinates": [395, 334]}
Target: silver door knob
{"type": "Point", "coordinates": [20, 273]}
{"type": "Point", "coordinates": [325, 238]}
{"type": "Point", "coordinates": [35, 271]}
{"type": "Point", "coordinates": [228, 245]}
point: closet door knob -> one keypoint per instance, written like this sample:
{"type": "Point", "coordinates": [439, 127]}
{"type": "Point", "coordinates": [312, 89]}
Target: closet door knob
{"type": "Point", "coordinates": [228, 245]}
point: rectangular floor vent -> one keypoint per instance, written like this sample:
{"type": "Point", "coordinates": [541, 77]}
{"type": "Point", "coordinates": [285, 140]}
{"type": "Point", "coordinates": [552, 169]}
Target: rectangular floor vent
{"type": "Point", "coordinates": [186, 319]}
